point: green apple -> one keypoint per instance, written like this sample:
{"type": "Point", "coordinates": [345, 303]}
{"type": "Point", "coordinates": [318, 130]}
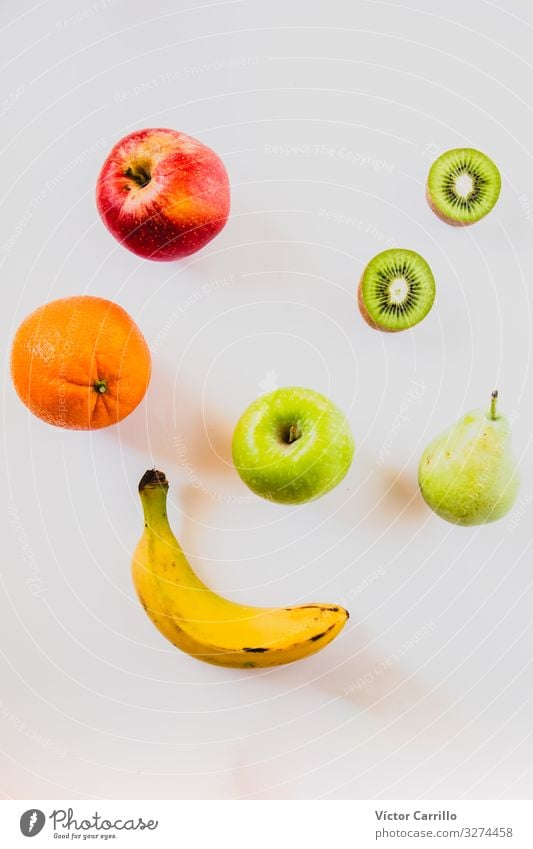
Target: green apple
{"type": "Point", "coordinates": [292, 445]}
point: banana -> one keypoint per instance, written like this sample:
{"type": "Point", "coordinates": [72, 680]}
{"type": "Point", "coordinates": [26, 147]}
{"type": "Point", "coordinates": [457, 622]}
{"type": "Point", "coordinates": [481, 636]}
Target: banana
{"type": "Point", "coordinates": [202, 623]}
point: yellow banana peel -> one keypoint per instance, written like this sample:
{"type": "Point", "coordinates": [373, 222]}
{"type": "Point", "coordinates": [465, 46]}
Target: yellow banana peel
{"type": "Point", "coordinates": [202, 623]}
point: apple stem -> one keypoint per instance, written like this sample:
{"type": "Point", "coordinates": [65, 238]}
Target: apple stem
{"type": "Point", "coordinates": [294, 434]}
{"type": "Point", "coordinates": [494, 398]}
{"type": "Point", "coordinates": [138, 175]}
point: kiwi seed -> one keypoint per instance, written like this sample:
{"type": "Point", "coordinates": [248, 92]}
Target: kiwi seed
{"type": "Point", "coordinates": [463, 185]}
{"type": "Point", "coordinates": [396, 290]}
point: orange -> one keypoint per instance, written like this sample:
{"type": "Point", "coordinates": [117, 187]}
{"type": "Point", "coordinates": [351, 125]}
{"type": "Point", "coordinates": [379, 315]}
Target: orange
{"type": "Point", "coordinates": [80, 363]}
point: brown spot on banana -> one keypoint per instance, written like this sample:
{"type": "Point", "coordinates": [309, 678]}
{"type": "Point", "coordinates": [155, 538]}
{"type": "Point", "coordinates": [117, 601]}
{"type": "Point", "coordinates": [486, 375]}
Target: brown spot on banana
{"type": "Point", "coordinates": [319, 636]}
{"type": "Point", "coordinates": [322, 607]}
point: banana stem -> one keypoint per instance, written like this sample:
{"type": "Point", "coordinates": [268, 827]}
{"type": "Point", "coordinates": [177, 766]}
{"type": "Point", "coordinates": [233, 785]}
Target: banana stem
{"type": "Point", "coordinates": [153, 488]}
{"type": "Point", "coordinates": [153, 478]}
{"type": "Point", "coordinates": [494, 400]}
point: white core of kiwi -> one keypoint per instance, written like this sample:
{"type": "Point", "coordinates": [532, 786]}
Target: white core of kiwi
{"type": "Point", "coordinates": [464, 185]}
{"type": "Point", "coordinates": [398, 290]}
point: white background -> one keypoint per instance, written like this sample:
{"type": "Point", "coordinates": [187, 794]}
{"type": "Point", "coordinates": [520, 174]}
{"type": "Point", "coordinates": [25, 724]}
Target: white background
{"type": "Point", "coordinates": [328, 116]}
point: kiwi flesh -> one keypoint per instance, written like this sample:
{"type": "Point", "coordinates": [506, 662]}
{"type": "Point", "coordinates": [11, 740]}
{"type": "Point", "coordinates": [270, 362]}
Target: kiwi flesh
{"type": "Point", "coordinates": [396, 290]}
{"type": "Point", "coordinates": [463, 185]}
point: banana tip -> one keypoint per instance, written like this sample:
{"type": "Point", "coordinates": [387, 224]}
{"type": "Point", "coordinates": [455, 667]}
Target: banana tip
{"type": "Point", "coordinates": [152, 478]}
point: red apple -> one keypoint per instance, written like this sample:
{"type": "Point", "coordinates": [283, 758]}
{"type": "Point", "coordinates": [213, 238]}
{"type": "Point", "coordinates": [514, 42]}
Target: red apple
{"type": "Point", "coordinates": [163, 194]}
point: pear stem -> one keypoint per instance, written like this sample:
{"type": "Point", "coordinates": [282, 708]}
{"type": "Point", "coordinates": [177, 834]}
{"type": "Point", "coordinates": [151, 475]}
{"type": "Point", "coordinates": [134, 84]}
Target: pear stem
{"type": "Point", "coordinates": [493, 402]}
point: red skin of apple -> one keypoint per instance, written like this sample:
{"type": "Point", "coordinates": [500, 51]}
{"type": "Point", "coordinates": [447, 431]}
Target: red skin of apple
{"type": "Point", "coordinates": [163, 194]}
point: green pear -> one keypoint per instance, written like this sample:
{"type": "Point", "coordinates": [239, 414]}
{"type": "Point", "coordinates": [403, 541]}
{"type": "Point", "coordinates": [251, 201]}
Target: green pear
{"type": "Point", "coordinates": [468, 474]}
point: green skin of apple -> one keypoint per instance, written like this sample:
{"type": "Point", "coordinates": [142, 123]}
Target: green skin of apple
{"type": "Point", "coordinates": [292, 445]}
{"type": "Point", "coordinates": [468, 474]}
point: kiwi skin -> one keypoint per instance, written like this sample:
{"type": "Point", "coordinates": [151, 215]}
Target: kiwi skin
{"type": "Point", "coordinates": [366, 315]}
{"type": "Point", "coordinates": [453, 221]}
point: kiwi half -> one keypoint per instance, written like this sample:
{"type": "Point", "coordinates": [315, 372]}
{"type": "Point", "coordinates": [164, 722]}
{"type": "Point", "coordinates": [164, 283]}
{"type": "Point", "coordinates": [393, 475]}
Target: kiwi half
{"type": "Point", "coordinates": [396, 290]}
{"type": "Point", "coordinates": [463, 185]}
